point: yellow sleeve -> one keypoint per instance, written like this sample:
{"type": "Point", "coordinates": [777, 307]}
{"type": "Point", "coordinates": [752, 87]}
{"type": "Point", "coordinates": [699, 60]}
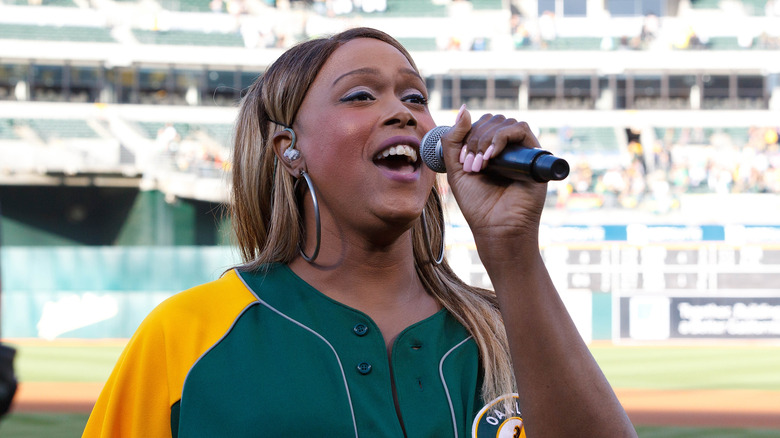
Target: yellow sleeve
{"type": "Point", "coordinates": [135, 399]}
{"type": "Point", "coordinates": [149, 375]}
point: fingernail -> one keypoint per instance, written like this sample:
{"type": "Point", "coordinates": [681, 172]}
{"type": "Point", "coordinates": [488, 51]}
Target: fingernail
{"type": "Point", "coordinates": [477, 166]}
{"type": "Point", "coordinates": [463, 151]}
{"type": "Point", "coordinates": [460, 113]}
{"type": "Point", "coordinates": [468, 163]}
{"type": "Point", "coordinates": [489, 152]}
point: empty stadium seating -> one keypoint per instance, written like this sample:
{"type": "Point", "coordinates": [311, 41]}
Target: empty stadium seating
{"type": "Point", "coordinates": [220, 132]}
{"type": "Point", "coordinates": [6, 130]}
{"type": "Point", "coordinates": [187, 37]}
{"type": "Point", "coordinates": [60, 3]}
{"type": "Point", "coordinates": [414, 8]}
{"type": "Point", "coordinates": [418, 43]}
{"type": "Point", "coordinates": [186, 5]}
{"type": "Point", "coordinates": [13, 31]}
{"type": "Point", "coordinates": [584, 140]}
{"type": "Point", "coordinates": [49, 129]}
{"type": "Point", "coordinates": [739, 135]}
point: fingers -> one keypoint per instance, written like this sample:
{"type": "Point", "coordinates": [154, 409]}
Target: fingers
{"type": "Point", "coordinates": [456, 136]}
{"type": "Point", "coordinates": [488, 137]}
{"type": "Point", "coordinates": [473, 145]}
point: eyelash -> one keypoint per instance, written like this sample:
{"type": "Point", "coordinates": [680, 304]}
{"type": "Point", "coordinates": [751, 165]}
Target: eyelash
{"type": "Point", "coordinates": [362, 96]}
{"type": "Point", "coordinates": [357, 96]}
{"type": "Point", "coordinates": [418, 99]}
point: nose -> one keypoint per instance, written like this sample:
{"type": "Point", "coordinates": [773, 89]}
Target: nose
{"type": "Point", "coordinates": [399, 114]}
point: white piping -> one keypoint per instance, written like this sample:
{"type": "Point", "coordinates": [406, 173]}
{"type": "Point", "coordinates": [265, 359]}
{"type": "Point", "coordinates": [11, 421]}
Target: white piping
{"type": "Point", "coordinates": [444, 383]}
{"type": "Point", "coordinates": [338, 359]}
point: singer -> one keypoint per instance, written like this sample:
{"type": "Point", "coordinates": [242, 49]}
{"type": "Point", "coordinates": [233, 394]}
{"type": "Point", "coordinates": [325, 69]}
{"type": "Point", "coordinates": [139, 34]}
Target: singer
{"type": "Point", "coordinates": [345, 318]}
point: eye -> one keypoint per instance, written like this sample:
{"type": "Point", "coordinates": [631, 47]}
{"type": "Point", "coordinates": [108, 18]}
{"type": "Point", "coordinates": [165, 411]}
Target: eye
{"type": "Point", "coordinates": [416, 98]}
{"type": "Point", "coordinates": [358, 96]}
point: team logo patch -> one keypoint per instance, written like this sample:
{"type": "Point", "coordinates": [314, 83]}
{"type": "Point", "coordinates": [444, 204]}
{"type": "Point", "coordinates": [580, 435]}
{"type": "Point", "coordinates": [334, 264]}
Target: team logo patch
{"type": "Point", "coordinates": [493, 421]}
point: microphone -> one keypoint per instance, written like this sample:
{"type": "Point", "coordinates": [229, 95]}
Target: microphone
{"type": "Point", "coordinates": [514, 162]}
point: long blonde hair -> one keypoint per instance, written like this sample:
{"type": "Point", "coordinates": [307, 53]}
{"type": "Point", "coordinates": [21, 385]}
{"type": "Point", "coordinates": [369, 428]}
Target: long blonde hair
{"type": "Point", "coordinates": [268, 224]}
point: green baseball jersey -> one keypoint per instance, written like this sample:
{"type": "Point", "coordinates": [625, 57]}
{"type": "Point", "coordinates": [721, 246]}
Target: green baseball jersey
{"type": "Point", "coordinates": [265, 354]}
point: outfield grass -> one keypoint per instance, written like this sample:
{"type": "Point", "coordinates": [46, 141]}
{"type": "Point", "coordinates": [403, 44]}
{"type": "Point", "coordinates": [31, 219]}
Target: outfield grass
{"type": "Point", "coordinates": [34, 425]}
{"type": "Point", "coordinates": [71, 425]}
{"type": "Point", "coordinates": [65, 363]}
{"type": "Point", "coordinates": [691, 367]}
{"type": "Point", "coordinates": [640, 367]}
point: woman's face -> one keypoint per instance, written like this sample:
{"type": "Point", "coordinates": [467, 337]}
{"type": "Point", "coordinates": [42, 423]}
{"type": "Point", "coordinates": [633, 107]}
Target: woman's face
{"type": "Point", "coordinates": [359, 129]}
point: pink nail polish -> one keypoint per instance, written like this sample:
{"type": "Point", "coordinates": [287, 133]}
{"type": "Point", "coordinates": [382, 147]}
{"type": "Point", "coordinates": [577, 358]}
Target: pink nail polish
{"type": "Point", "coordinates": [477, 166]}
{"type": "Point", "coordinates": [489, 152]}
{"type": "Point", "coordinates": [463, 151]}
{"type": "Point", "coordinates": [468, 163]}
{"type": "Point", "coordinates": [460, 113]}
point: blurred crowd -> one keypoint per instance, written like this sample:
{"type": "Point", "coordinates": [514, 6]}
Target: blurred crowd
{"type": "Point", "coordinates": [679, 161]}
{"type": "Point", "coordinates": [675, 165]}
{"type": "Point", "coordinates": [195, 151]}
{"type": "Point", "coordinates": [542, 32]}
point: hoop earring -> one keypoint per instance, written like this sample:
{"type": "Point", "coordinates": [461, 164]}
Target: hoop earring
{"type": "Point", "coordinates": [316, 252]}
{"type": "Point", "coordinates": [291, 153]}
{"type": "Point", "coordinates": [436, 260]}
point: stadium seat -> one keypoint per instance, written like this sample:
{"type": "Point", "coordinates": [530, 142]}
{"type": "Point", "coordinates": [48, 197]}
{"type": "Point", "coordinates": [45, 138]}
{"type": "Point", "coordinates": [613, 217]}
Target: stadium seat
{"type": "Point", "coordinates": [739, 135]}
{"type": "Point", "coordinates": [723, 43]}
{"type": "Point", "coordinates": [49, 129]}
{"type": "Point", "coordinates": [575, 43]}
{"type": "Point", "coordinates": [705, 4]}
{"type": "Point", "coordinates": [14, 31]}
{"type": "Point", "coordinates": [186, 5]}
{"type": "Point", "coordinates": [487, 4]}
{"type": "Point", "coordinates": [414, 8]}
{"type": "Point", "coordinates": [419, 43]}
{"type": "Point", "coordinates": [60, 3]}
{"type": "Point", "coordinates": [7, 130]}
{"type": "Point", "coordinates": [188, 38]}
{"type": "Point", "coordinates": [584, 140]}
{"type": "Point", "coordinates": [150, 129]}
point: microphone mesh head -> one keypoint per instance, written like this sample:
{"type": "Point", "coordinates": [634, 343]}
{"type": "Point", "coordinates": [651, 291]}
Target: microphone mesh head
{"type": "Point", "coordinates": [430, 149]}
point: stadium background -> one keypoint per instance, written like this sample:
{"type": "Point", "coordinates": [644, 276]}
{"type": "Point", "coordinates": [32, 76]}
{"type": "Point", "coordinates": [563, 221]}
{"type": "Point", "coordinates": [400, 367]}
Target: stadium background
{"type": "Point", "coordinates": [115, 124]}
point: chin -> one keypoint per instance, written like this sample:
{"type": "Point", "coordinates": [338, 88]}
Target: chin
{"type": "Point", "coordinates": [401, 218]}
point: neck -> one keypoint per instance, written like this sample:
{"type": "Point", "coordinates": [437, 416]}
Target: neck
{"type": "Point", "coordinates": [364, 275]}
{"type": "Point", "coordinates": [382, 282]}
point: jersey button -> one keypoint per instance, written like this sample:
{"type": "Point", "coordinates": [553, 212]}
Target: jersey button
{"type": "Point", "coordinates": [364, 367]}
{"type": "Point", "coordinates": [360, 329]}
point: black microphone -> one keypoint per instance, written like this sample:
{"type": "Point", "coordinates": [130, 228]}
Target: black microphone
{"type": "Point", "coordinates": [514, 162]}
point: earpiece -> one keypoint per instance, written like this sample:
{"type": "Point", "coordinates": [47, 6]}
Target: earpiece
{"type": "Point", "coordinates": [291, 154]}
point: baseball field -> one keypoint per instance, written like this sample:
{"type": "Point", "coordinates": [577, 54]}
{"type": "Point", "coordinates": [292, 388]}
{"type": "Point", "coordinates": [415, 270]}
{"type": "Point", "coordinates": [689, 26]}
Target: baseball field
{"type": "Point", "coordinates": [713, 390]}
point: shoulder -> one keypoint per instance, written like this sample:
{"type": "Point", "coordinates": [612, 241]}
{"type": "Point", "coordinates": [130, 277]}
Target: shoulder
{"type": "Point", "coordinates": [207, 303]}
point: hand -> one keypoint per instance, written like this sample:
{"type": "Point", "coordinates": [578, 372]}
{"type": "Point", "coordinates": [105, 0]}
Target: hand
{"type": "Point", "coordinates": [496, 208]}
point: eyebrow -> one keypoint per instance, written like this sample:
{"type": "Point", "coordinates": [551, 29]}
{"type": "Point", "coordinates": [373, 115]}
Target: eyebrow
{"type": "Point", "coordinates": [374, 71]}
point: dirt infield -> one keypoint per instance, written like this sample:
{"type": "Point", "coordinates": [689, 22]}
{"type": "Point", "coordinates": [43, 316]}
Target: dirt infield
{"type": "Point", "coordinates": [695, 408]}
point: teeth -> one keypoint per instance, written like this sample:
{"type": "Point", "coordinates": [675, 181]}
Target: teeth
{"type": "Point", "coordinates": [401, 149]}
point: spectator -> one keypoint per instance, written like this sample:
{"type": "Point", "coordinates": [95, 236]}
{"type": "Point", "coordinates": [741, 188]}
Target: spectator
{"type": "Point", "coordinates": [650, 27]}
{"type": "Point", "coordinates": [547, 30]}
{"type": "Point", "coordinates": [216, 6]}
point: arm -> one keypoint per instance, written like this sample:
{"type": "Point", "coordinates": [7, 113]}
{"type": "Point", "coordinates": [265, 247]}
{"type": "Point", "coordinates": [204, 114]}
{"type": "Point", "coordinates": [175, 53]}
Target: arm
{"type": "Point", "coordinates": [135, 400]}
{"type": "Point", "coordinates": [562, 391]}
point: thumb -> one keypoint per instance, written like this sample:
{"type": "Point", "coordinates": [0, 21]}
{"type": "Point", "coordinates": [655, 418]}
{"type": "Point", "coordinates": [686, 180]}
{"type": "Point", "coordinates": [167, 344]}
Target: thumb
{"type": "Point", "coordinates": [452, 141]}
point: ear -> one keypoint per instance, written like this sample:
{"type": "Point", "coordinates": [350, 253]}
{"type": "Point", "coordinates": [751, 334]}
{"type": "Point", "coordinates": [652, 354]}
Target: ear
{"type": "Point", "coordinates": [283, 140]}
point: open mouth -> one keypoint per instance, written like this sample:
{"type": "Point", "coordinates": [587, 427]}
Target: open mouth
{"type": "Point", "coordinates": [399, 158]}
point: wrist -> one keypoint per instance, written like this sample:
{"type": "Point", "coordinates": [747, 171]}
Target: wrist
{"type": "Point", "coordinates": [509, 250]}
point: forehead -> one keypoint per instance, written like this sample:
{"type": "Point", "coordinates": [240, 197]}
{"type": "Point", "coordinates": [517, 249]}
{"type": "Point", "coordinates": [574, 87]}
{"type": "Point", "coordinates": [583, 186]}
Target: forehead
{"type": "Point", "coordinates": [360, 53]}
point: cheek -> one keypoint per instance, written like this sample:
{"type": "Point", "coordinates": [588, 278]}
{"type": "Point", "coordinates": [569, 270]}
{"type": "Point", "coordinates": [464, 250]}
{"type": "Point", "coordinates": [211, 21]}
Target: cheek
{"type": "Point", "coordinates": [335, 151]}
{"type": "Point", "coordinates": [340, 134]}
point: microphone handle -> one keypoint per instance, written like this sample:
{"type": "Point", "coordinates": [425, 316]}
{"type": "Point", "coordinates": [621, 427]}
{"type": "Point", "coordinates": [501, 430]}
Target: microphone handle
{"type": "Point", "coordinates": [517, 162]}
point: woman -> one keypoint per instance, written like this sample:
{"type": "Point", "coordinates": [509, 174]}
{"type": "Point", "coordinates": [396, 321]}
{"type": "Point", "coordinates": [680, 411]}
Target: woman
{"type": "Point", "coordinates": [341, 322]}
